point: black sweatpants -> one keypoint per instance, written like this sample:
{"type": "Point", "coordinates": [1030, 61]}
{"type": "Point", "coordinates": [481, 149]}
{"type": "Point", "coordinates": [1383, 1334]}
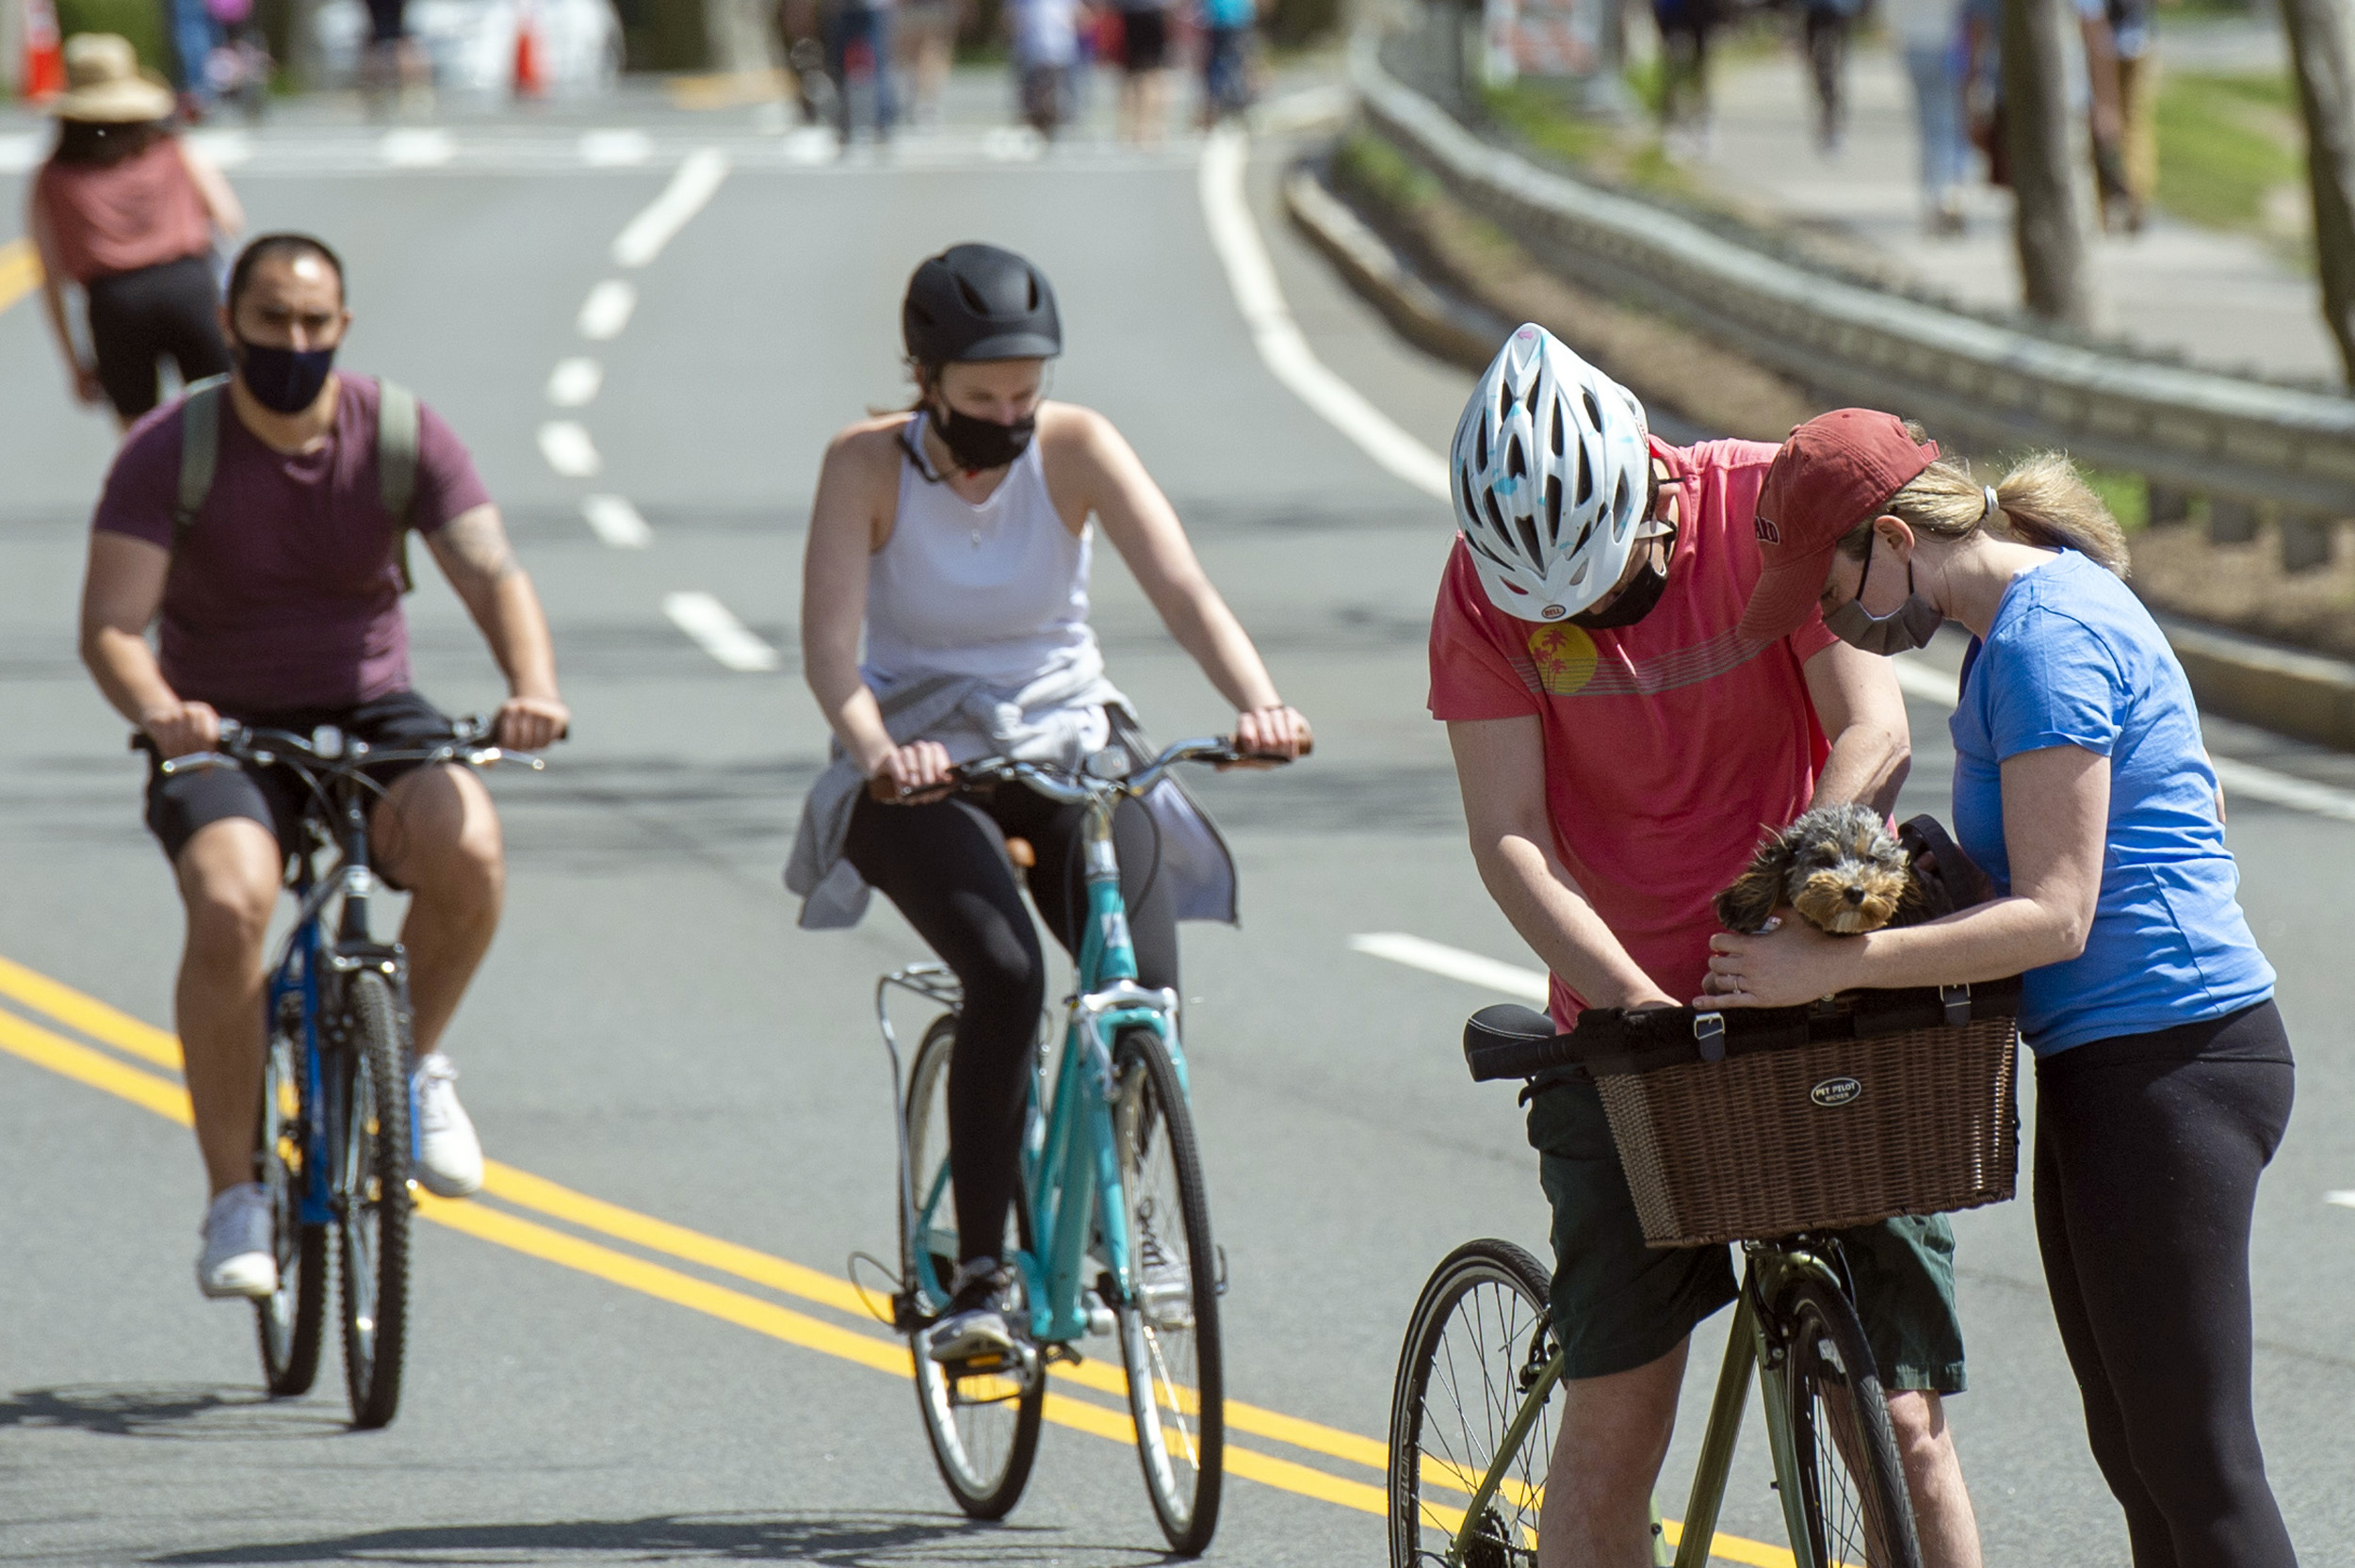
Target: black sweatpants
{"type": "Point", "coordinates": [138, 319]}
{"type": "Point", "coordinates": [944, 864]}
{"type": "Point", "coordinates": [2148, 1150]}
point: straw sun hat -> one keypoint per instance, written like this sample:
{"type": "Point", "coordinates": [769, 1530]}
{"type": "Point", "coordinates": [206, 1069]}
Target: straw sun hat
{"type": "Point", "coordinates": [103, 85]}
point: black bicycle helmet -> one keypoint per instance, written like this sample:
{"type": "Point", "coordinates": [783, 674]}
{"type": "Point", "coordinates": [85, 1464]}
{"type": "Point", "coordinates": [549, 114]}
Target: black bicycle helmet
{"type": "Point", "coordinates": [979, 302]}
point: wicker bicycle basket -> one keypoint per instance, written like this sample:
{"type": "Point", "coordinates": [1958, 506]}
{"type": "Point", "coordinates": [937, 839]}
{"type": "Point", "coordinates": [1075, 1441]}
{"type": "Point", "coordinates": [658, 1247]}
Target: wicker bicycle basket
{"type": "Point", "coordinates": [1871, 1104]}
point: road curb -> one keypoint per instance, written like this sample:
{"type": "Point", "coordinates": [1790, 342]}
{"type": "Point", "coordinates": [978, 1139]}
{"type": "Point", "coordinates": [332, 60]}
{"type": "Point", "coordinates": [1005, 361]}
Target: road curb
{"type": "Point", "coordinates": [2287, 690]}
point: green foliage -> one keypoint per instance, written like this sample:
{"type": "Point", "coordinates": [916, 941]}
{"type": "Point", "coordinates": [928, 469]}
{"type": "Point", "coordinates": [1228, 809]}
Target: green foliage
{"type": "Point", "coordinates": [1536, 111]}
{"type": "Point", "coordinates": [1290, 24]}
{"type": "Point", "coordinates": [664, 35]}
{"type": "Point", "coordinates": [1367, 163]}
{"type": "Point", "coordinates": [2225, 144]}
{"type": "Point", "coordinates": [141, 21]}
{"type": "Point", "coordinates": [2127, 497]}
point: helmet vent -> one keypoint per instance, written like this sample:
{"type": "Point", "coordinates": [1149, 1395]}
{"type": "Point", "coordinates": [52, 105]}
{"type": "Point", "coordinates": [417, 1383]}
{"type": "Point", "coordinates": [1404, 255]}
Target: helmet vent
{"type": "Point", "coordinates": [1496, 518]}
{"type": "Point", "coordinates": [1586, 476]}
{"type": "Point", "coordinates": [1527, 527]}
{"type": "Point", "coordinates": [973, 301]}
{"type": "Point", "coordinates": [1594, 409]}
{"type": "Point", "coordinates": [1531, 401]}
{"type": "Point", "coordinates": [1515, 461]}
{"type": "Point", "coordinates": [1557, 428]}
{"type": "Point", "coordinates": [1480, 444]}
{"type": "Point", "coordinates": [1553, 506]}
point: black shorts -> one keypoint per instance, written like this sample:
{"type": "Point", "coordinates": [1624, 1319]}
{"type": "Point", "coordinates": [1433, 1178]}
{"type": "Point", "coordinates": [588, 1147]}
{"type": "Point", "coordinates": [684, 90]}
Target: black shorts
{"type": "Point", "coordinates": [1143, 41]}
{"type": "Point", "coordinates": [179, 804]}
{"type": "Point", "coordinates": [387, 22]}
{"type": "Point", "coordinates": [171, 310]}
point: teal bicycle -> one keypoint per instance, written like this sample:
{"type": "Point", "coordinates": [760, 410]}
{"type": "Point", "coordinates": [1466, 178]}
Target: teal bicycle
{"type": "Point", "coordinates": [1110, 1227]}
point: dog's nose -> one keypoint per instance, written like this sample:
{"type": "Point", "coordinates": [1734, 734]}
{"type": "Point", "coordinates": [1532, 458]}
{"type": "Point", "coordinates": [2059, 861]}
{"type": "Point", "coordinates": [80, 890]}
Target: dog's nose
{"type": "Point", "coordinates": [1856, 895]}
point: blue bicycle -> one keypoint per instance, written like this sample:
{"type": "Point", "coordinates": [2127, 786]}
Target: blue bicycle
{"type": "Point", "coordinates": [335, 1143]}
{"type": "Point", "coordinates": [1111, 1230]}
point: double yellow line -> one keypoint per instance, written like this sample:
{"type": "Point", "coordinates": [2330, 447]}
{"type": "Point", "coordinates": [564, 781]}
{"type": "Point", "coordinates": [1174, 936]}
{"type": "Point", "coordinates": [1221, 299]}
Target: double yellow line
{"type": "Point", "coordinates": [86, 1015]}
{"type": "Point", "coordinates": [19, 271]}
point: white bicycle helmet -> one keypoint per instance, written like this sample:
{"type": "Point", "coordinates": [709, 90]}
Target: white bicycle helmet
{"type": "Point", "coordinates": [1552, 471]}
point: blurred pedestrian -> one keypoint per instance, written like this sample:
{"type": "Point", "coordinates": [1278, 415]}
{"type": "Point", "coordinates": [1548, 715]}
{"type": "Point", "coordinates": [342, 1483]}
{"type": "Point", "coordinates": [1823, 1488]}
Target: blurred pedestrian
{"type": "Point", "coordinates": [195, 34]}
{"type": "Point", "coordinates": [2121, 78]}
{"type": "Point", "coordinates": [1227, 34]}
{"type": "Point", "coordinates": [858, 61]}
{"type": "Point", "coordinates": [1929, 36]}
{"type": "Point", "coordinates": [1046, 60]}
{"type": "Point", "coordinates": [925, 37]}
{"type": "Point", "coordinates": [1824, 28]}
{"type": "Point", "coordinates": [1144, 62]}
{"type": "Point", "coordinates": [128, 212]}
{"type": "Point", "coordinates": [392, 62]}
{"type": "Point", "coordinates": [1983, 86]}
{"type": "Point", "coordinates": [1685, 29]}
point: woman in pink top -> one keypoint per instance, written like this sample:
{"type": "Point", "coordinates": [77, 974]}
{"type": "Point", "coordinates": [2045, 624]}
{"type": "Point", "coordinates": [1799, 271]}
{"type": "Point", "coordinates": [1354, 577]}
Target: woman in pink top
{"type": "Point", "coordinates": [128, 211]}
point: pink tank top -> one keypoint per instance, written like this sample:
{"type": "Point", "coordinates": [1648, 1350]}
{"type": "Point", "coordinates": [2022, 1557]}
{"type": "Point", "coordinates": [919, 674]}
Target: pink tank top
{"type": "Point", "coordinates": [120, 217]}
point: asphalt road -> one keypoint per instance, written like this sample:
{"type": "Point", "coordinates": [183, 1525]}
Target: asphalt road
{"type": "Point", "coordinates": [653, 1032]}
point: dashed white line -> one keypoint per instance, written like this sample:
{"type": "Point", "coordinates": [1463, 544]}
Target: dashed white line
{"type": "Point", "coordinates": [1252, 277]}
{"type": "Point", "coordinates": [2345, 1200]}
{"type": "Point", "coordinates": [698, 178]}
{"type": "Point", "coordinates": [226, 149]}
{"type": "Point", "coordinates": [615, 148]}
{"type": "Point", "coordinates": [21, 151]}
{"type": "Point", "coordinates": [616, 521]}
{"type": "Point", "coordinates": [569, 450]}
{"type": "Point", "coordinates": [416, 147]}
{"type": "Point", "coordinates": [718, 632]}
{"type": "Point", "coordinates": [1926, 683]}
{"type": "Point", "coordinates": [1527, 985]}
{"type": "Point", "coordinates": [575, 381]}
{"type": "Point", "coordinates": [606, 311]}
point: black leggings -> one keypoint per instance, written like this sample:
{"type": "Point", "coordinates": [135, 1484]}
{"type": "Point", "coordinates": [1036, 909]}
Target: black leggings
{"type": "Point", "coordinates": [136, 319]}
{"type": "Point", "coordinates": [945, 865]}
{"type": "Point", "coordinates": [2148, 1149]}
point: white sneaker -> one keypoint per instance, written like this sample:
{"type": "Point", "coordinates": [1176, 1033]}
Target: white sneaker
{"type": "Point", "coordinates": [449, 1156]}
{"type": "Point", "coordinates": [237, 1260]}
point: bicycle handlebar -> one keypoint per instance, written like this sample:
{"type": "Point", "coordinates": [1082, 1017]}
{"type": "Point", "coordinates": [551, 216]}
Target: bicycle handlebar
{"type": "Point", "coordinates": [331, 749]}
{"type": "Point", "coordinates": [1072, 788]}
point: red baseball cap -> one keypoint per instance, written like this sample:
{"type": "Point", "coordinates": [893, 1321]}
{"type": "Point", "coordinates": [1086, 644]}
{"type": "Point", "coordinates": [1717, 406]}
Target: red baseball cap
{"type": "Point", "coordinates": [1836, 471]}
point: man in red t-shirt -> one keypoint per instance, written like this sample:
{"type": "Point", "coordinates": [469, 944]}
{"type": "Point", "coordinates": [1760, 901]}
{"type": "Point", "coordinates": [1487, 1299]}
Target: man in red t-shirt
{"type": "Point", "coordinates": [1621, 749]}
{"type": "Point", "coordinates": [279, 606]}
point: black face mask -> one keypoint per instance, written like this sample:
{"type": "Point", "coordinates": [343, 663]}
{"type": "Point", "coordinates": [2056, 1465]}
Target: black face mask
{"type": "Point", "coordinates": [286, 380]}
{"type": "Point", "coordinates": [1636, 601]}
{"type": "Point", "coordinates": [979, 444]}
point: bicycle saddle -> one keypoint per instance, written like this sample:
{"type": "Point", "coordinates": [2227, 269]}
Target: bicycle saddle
{"type": "Point", "coordinates": [1505, 1024]}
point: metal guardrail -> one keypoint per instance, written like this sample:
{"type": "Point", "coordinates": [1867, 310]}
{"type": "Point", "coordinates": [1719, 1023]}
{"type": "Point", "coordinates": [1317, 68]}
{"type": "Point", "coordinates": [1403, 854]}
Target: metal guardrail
{"type": "Point", "coordinates": [1979, 380]}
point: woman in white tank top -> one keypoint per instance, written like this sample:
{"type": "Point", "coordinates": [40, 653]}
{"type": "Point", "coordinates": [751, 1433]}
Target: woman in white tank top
{"type": "Point", "coordinates": [955, 540]}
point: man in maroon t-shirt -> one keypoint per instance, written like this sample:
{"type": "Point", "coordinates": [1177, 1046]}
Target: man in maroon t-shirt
{"type": "Point", "coordinates": [280, 605]}
{"type": "Point", "coordinates": [1620, 747]}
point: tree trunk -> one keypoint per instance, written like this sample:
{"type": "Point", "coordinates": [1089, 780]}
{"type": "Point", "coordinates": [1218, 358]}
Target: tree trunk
{"type": "Point", "coordinates": [2319, 59]}
{"type": "Point", "coordinates": [2045, 223]}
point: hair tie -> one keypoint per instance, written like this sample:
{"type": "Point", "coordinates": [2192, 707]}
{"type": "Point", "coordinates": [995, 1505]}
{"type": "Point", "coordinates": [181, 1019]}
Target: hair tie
{"type": "Point", "coordinates": [1993, 506]}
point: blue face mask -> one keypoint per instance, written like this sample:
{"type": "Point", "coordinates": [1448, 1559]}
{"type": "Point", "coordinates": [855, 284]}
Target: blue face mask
{"type": "Point", "coordinates": [286, 380]}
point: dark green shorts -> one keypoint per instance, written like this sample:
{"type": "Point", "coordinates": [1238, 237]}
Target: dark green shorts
{"type": "Point", "coordinates": [1620, 1304]}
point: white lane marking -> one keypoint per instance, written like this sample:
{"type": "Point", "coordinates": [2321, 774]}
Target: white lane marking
{"type": "Point", "coordinates": [22, 151]}
{"type": "Point", "coordinates": [698, 177]}
{"type": "Point", "coordinates": [416, 147]}
{"type": "Point", "coordinates": [810, 145]}
{"type": "Point", "coordinates": [718, 632]}
{"type": "Point", "coordinates": [615, 148]}
{"type": "Point", "coordinates": [1013, 144]}
{"type": "Point", "coordinates": [616, 521]}
{"type": "Point", "coordinates": [227, 148]}
{"type": "Point", "coordinates": [1285, 352]}
{"type": "Point", "coordinates": [2345, 1200]}
{"type": "Point", "coordinates": [606, 311]}
{"type": "Point", "coordinates": [1926, 683]}
{"type": "Point", "coordinates": [575, 381]}
{"type": "Point", "coordinates": [568, 449]}
{"type": "Point", "coordinates": [1528, 985]}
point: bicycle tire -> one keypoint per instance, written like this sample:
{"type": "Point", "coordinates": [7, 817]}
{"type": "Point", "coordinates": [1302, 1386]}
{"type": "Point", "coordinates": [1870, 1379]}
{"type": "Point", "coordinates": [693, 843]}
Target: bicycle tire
{"type": "Point", "coordinates": [1478, 1328]}
{"type": "Point", "coordinates": [288, 1321]}
{"type": "Point", "coordinates": [373, 1224]}
{"type": "Point", "coordinates": [1852, 1489]}
{"type": "Point", "coordinates": [983, 1428]}
{"type": "Point", "coordinates": [1169, 1339]}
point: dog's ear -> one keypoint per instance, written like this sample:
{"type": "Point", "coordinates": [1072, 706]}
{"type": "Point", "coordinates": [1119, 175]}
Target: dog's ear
{"type": "Point", "coordinates": [1751, 901]}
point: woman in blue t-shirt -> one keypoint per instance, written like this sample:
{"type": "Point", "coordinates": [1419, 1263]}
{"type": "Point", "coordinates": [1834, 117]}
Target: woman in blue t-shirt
{"type": "Point", "coordinates": [2082, 785]}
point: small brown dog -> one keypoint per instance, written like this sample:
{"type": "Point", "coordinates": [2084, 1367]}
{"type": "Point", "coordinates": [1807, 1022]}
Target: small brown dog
{"type": "Point", "coordinates": [1841, 868]}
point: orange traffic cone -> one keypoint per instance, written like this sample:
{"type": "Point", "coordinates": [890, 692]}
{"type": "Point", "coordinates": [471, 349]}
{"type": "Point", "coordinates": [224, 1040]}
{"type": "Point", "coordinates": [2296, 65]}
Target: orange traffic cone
{"type": "Point", "coordinates": [45, 51]}
{"type": "Point", "coordinates": [531, 78]}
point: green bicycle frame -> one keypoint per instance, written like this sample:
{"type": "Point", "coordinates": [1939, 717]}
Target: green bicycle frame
{"type": "Point", "coordinates": [1748, 1347]}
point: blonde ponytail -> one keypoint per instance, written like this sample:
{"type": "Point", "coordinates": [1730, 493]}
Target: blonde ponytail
{"type": "Point", "coordinates": [2043, 501]}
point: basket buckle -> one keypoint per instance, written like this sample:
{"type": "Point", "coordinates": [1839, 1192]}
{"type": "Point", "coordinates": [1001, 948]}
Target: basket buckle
{"type": "Point", "coordinates": [1709, 1033]}
{"type": "Point", "coordinates": [1957, 1000]}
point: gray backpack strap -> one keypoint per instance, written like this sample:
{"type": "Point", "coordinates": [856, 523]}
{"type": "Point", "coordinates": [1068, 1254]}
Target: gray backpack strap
{"type": "Point", "coordinates": [397, 465]}
{"type": "Point", "coordinates": [200, 449]}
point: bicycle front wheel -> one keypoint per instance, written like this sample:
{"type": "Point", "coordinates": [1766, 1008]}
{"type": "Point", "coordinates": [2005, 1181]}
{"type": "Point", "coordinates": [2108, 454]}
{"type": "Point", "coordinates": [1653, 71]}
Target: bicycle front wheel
{"type": "Point", "coordinates": [1169, 1329]}
{"type": "Point", "coordinates": [374, 1199]}
{"type": "Point", "coordinates": [982, 1423]}
{"type": "Point", "coordinates": [1473, 1349]}
{"type": "Point", "coordinates": [1851, 1488]}
{"type": "Point", "coordinates": [288, 1320]}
